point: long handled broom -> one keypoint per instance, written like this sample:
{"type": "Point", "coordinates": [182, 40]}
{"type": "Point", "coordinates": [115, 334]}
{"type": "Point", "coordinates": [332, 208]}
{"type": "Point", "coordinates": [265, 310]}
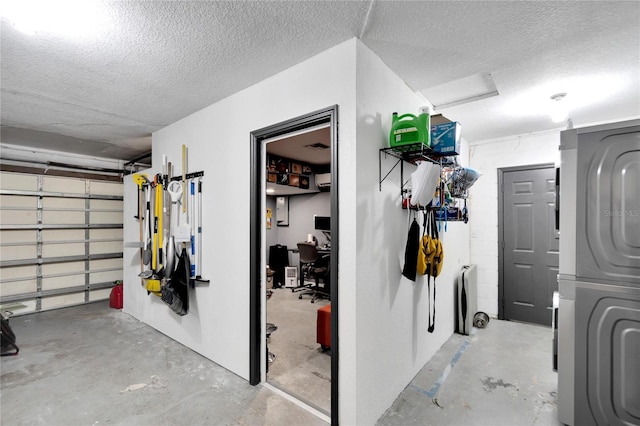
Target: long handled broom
{"type": "Point", "coordinates": [198, 273]}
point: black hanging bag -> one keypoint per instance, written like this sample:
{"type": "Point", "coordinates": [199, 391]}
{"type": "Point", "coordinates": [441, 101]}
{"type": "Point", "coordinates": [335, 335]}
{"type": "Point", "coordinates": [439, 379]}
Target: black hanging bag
{"type": "Point", "coordinates": [175, 293]}
{"type": "Point", "coordinates": [411, 251]}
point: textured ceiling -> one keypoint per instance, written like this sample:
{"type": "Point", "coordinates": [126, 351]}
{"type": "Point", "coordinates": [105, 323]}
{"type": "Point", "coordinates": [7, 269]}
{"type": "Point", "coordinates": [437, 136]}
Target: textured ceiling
{"type": "Point", "coordinates": [158, 61]}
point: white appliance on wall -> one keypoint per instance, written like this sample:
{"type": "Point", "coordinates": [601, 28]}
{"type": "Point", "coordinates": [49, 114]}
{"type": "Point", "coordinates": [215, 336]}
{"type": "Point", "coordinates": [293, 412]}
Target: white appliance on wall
{"type": "Point", "coordinates": [282, 211]}
{"type": "Point", "coordinates": [599, 279]}
{"type": "Point", "coordinates": [323, 181]}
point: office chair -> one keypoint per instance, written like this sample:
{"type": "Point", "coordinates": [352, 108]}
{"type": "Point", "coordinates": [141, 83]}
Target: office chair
{"type": "Point", "coordinates": [314, 266]}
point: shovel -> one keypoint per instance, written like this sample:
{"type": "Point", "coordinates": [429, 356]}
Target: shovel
{"type": "Point", "coordinates": [175, 293]}
{"type": "Point", "coordinates": [151, 276]}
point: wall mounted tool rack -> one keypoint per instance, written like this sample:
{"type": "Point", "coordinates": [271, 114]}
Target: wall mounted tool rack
{"type": "Point", "coordinates": [411, 154]}
{"type": "Point", "coordinates": [189, 176]}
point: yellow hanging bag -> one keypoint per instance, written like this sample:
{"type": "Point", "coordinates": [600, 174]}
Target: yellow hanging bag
{"type": "Point", "coordinates": [430, 261]}
{"type": "Point", "coordinates": [430, 253]}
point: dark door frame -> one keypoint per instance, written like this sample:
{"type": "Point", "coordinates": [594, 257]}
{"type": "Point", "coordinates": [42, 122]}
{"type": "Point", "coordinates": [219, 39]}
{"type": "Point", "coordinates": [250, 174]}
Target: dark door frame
{"type": "Point", "coordinates": [327, 115]}
{"type": "Point", "coordinates": [501, 172]}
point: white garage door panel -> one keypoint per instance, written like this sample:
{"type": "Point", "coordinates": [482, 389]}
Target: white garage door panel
{"type": "Point", "coordinates": [105, 277]}
{"type": "Point", "coordinates": [99, 294]}
{"type": "Point", "coordinates": [106, 188]}
{"type": "Point", "coordinates": [105, 264]}
{"type": "Point", "coordinates": [106, 234]}
{"type": "Point", "coordinates": [64, 203]}
{"type": "Point", "coordinates": [68, 249]}
{"type": "Point", "coordinates": [18, 237]}
{"type": "Point", "coordinates": [16, 273]}
{"type": "Point", "coordinates": [18, 217]}
{"type": "Point", "coordinates": [18, 287]}
{"type": "Point", "coordinates": [18, 252]}
{"type": "Point", "coordinates": [19, 181]}
{"type": "Point", "coordinates": [105, 247]}
{"type": "Point", "coordinates": [17, 201]}
{"type": "Point", "coordinates": [47, 239]}
{"type": "Point", "coordinates": [63, 217]}
{"type": "Point", "coordinates": [64, 185]}
{"type": "Point", "coordinates": [56, 283]}
{"type": "Point", "coordinates": [61, 301]}
{"type": "Point", "coordinates": [106, 217]}
{"type": "Point", "coordinates": [49, 270]}
{"type": "Point", "coordinates": [54, 235]}
{"type": "Point", "coordinates": [106, 205]}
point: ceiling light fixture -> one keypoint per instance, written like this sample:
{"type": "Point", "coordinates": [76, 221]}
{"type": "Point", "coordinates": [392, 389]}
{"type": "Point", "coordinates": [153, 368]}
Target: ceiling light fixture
{"type": "Point", "coordinates": [558, 108]}
{"type": "Point", "coordinates": [72, 18]}
{"type": "Point", "coordinates": [461, 91]}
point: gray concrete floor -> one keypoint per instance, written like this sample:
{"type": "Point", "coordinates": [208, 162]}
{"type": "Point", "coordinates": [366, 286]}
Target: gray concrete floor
{"type": "Point", "coordinates": [500, 375]}
{"type": "Point", "coordinates": [300, 367]}
{"type": "Point", "coordinates": [92, 365]}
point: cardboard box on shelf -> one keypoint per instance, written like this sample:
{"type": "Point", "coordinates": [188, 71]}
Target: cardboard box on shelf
{"type": "Point", "coordinates": [445, 135]}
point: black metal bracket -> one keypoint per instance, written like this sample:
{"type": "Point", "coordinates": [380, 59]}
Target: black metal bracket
{"type": "Point", "coordinates": [189, 176]}
{"type": "Point", "coordinates": [410, 154]}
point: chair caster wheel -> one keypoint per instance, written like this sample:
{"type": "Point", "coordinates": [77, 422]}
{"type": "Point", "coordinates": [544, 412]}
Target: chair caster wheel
{"type": "Point", "coordinates": [300, 297]}
{"type": "Point", "coordinates": [313, 301]}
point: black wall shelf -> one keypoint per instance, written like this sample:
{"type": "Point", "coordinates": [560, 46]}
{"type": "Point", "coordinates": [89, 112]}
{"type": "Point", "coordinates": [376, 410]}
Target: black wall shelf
{"type": "Point", "coordinates": [411, 154]}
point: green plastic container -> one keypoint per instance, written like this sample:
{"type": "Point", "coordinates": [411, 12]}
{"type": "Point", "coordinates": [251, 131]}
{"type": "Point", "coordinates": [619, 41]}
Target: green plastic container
{"type": "Point", "coordinates": [408, 129]}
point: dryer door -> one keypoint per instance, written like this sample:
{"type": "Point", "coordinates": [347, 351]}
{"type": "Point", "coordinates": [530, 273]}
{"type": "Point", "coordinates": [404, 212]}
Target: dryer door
{"type": "Point", "coordinates": [607, 344]}
{"type": "Point", "coordinates": [608, 205]}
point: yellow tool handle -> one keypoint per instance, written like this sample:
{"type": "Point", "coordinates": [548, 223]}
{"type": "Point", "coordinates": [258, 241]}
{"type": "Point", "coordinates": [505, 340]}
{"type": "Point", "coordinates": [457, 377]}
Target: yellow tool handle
{"type": "Point", "coordinates": [160, 242]}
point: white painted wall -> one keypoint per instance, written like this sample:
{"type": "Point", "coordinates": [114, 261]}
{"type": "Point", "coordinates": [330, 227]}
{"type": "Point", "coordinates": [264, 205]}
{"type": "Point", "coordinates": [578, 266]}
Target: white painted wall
{"type": "Point", "coordinates": [391, 340]}
{"type": "Point", "coordinates": [487, 157]}
{"type": "Point", "coordinates": [383, 317]}
{"type": "Point", "coordinates": [301, 211]}
{"type": "Point", "coordinates": [272, 234]}
{"type": "Point", "coordinates": [218, 140]}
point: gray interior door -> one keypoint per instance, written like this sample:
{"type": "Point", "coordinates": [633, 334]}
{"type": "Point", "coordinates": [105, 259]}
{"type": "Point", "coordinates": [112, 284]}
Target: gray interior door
{"type": "Point", "coordinates": [530, 244]}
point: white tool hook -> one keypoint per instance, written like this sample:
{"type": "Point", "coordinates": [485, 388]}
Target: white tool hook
{"type": "Point", "coordinates": [175, 191]}
{"type": "Point", "coordinates": [181, 230]}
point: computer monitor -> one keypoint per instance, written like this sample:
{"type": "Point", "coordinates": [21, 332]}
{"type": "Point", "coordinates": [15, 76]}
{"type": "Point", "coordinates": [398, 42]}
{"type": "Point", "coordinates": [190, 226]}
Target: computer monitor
{"type": "Point", "coordinates": [322, 223]}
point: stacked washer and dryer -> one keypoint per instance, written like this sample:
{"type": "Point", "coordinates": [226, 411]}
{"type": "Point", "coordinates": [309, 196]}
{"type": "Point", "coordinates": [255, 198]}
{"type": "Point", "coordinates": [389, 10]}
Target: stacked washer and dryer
{"type": "Point", "coordinates": [599, 280]}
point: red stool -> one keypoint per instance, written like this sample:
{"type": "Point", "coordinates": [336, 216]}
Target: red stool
{"type": "Point", "coordinates": [323, 327]}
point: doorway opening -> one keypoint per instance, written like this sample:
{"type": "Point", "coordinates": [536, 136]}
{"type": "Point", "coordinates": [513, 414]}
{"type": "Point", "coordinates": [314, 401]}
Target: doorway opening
{"type": "Point", "coordinates": [529, 243]}
{"type": "Point", "coordinates": [297, 161]}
